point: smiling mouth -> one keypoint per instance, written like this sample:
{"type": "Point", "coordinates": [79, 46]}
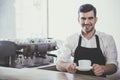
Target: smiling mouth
{"type": "Point", "coordinates": [87, 25]}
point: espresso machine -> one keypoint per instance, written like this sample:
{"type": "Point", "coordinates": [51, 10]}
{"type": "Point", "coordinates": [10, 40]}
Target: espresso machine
{"type": "Point", "coordinates": [34, 53]}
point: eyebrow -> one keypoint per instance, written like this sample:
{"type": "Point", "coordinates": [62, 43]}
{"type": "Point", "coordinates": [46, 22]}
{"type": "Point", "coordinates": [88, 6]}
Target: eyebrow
{"type": "Point", "coordinates": [88, 18]}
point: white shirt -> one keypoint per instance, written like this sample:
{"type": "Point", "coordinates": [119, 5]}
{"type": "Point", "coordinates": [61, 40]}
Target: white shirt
{"type": "Point", "coordinates": [107, 45]}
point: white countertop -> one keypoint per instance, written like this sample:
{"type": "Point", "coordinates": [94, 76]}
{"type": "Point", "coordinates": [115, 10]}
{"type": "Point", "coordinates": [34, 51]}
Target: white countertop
{"type": "Point", "coordinates": [19, 74]}
{"type": "Point", "coordinates": [39, 74]}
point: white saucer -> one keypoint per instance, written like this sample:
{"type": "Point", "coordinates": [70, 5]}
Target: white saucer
{"type": "Point", "coordinates": [84, 68]}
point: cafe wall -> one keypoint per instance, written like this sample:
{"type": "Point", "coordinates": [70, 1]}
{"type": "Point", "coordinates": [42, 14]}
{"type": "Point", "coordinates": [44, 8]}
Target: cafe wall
{"type": "Point", "coordinates": [7, 19]}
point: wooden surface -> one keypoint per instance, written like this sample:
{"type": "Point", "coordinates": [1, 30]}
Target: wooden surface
{"type": "Point", "coordinates": [39, 74]}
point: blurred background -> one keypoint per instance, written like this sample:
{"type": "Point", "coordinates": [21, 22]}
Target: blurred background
{"type": "Point", "coordinates": [57, 19]}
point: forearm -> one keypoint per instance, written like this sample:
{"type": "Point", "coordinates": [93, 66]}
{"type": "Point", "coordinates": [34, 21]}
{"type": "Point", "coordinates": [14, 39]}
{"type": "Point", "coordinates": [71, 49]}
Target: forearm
{"type": "Point", "coordinates": [104, 69]}
{"type": "Point", "coordinates": [110, 69]}
{"type": "Point", "coordinates": [61, 65]}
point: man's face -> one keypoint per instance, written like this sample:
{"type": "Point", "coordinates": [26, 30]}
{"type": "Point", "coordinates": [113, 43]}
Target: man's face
{"type": "Point", "coordinates": [87, 21]}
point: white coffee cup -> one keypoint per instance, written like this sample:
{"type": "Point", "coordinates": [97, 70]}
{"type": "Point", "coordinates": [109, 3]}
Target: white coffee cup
{"type": "Point", "coordinates": [84, 63]}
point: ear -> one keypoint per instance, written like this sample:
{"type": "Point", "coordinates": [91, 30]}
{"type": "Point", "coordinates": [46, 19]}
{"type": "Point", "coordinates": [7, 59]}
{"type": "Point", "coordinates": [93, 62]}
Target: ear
{"type": "Point", "coordinates": [78, 19]}
{"type": "Point", "coordinates": [96, 19]}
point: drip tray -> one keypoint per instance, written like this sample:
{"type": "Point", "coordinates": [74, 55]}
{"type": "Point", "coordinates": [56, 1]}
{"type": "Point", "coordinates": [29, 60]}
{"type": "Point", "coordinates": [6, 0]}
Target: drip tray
{"type": "Point", "coordinates": [33, 62]}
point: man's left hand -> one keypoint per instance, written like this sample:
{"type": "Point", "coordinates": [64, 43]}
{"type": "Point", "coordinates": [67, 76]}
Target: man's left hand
{"type": "Point", "coordinates": [98, 69]}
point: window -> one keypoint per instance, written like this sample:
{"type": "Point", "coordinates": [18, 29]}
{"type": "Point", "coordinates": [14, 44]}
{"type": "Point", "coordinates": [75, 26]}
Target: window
{"type": "Point", "coordinates": [31, 18]}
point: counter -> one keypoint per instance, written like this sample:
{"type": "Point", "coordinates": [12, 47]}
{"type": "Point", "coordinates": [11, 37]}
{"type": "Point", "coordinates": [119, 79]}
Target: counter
{"type": "Point", "coordinates": [40, 74]}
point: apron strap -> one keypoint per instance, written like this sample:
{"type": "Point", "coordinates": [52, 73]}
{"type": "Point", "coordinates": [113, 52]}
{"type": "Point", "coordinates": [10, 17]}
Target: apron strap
{"type": "Point", "coordinates": [97, 41]}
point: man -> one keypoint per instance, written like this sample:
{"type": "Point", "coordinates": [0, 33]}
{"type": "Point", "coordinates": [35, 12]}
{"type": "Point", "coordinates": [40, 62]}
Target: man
{"type": "Point", "coordinates": [90, 44]}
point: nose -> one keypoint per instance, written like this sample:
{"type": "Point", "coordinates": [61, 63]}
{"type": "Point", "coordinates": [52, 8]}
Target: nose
{"type": "Point", "coordinates": [87, 21]}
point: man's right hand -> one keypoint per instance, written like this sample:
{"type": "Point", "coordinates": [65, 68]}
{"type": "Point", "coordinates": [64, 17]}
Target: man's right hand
{"type": "Point", "coordinates": [71, 68]}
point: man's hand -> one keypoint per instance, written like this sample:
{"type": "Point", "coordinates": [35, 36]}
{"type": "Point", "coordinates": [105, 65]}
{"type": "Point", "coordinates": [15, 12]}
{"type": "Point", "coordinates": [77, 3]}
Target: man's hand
{"type": "Point", "coordinates": [98, 69]}
{"type": "Point", "coordinates": [71, 68]}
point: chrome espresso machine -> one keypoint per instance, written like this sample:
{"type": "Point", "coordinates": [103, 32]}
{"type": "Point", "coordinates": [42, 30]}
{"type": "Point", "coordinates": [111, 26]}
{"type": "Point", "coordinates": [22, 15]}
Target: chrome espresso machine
{"type": "Point", "coordinates": [35, 52]}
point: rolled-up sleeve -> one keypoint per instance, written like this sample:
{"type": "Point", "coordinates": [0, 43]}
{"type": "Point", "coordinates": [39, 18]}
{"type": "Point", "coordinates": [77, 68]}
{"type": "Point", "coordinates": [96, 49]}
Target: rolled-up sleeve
{"type": "Point", "coordinates": [68, 48]}
{"type": "Point", "coordinates": [110, 51]}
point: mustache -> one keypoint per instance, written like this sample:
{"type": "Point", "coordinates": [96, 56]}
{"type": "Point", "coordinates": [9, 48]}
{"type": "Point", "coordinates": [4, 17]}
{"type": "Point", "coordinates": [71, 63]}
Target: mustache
{"type": "Point", "coordinates": [87, 24]}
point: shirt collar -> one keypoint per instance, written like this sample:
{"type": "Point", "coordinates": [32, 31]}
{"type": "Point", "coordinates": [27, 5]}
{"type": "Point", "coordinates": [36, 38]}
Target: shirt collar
{"type": "Point", "coordinates": [91, 38]}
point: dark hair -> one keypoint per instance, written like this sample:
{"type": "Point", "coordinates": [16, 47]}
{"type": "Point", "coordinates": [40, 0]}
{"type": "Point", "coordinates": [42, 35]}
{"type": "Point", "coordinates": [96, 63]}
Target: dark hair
{"type": "Point", "coordinates": [86, 8]}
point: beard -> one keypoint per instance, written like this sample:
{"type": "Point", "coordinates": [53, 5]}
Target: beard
{"type": "Point", "coordinates": [87, 28]}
